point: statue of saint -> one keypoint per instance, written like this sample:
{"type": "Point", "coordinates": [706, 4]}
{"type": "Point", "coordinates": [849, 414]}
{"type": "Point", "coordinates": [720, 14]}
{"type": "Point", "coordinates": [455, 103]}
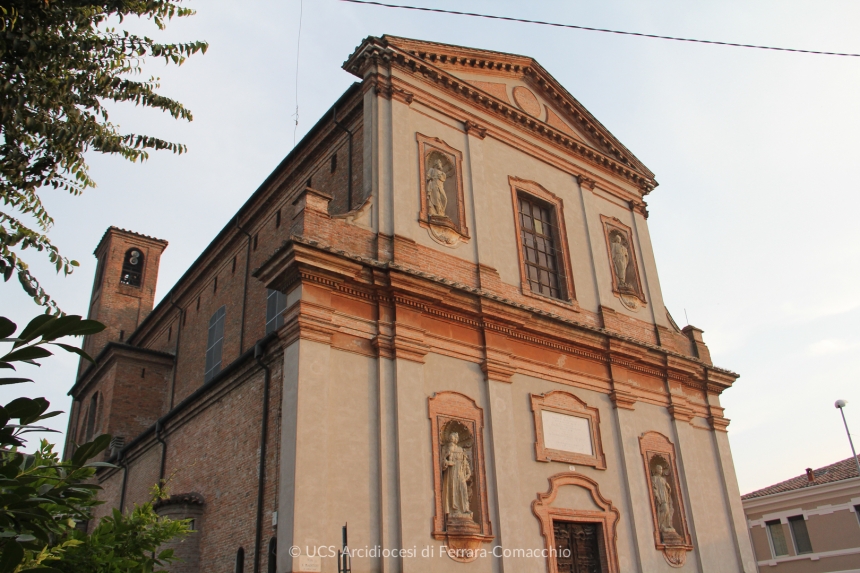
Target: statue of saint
{"type": "Point", "coordinates": [620, 258]}
{"type": "Point", "coordinates": [663, 501]}
{"type": "Point", "coordinates": [456, 473]}
{"type": "Point", "coordinates": [437, 199]}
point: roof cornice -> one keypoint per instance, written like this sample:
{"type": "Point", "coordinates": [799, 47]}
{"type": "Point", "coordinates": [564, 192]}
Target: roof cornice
{"type": "Point", "coordinates": [800, 493]}
{"type": "Point", "coordinates": [431, 66]}
{"type": "Point", "coordinates": [108, 354]}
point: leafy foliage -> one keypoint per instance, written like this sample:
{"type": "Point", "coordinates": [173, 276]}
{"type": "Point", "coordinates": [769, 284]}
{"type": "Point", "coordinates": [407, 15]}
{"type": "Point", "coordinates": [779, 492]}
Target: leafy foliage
{"type": "Point", "coordinates": [42, 497]}
{"type": "Point", "coordinates": [60, 62]}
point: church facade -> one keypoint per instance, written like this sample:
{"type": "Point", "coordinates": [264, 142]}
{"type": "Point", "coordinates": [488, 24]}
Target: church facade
{"type": "Point", "coordinates": [438, 321]}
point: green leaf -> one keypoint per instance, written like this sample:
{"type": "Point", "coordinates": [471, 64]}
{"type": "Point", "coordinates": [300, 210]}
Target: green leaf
{"type": "Point", "coordinates": [7, 327]}
{"type": "Point", "coordinates": [74, 350]}
{"type": "Point", "coordinates": [27, 353]}
{"type": "Point", "coordinates": [26, 408]}
{"type": "Point", "coordinates": [34, 326]}
{"type": "Point", "coordinates": [91, 449]}
{"type": "Point", "coordinates": [5, 381]}
{"type": "Point", "coordinates": [12, 555]}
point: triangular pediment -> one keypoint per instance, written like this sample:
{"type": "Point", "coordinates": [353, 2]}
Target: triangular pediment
{"type": "Point", "coordinates": [521, 83]}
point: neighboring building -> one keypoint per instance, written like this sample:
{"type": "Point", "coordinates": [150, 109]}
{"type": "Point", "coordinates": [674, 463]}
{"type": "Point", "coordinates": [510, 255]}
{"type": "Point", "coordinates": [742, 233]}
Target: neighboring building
{"type": "Point", "coordinates": [438, 320]}
{"type": "Point", "coordinates": [808, 524]}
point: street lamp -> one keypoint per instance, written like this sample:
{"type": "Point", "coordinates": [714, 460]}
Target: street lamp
{"type": "Point", "coordinates": [841, 405]}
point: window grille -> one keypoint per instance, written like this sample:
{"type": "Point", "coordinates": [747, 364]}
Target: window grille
{"type": "Point", "coordinates": [276, 304]}
{"type": "Point", "coordinates": [540, 251]}
{"type": "Point", "coordinates": [214, 344]}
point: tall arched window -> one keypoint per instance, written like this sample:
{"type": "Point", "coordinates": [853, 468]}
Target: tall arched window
{"type": "Point", "coordinates": [215, 344]}
{"type": "Point", "coordinates": [132, 267]}
{"type": "Point", "coordinates": [91, 417]}
{"type": "Point", "coordinates": [273, 556]}
{"type": "Point", "coordinates": [240, 561]}
{"type": "Point", "coordinates": [276, 304]}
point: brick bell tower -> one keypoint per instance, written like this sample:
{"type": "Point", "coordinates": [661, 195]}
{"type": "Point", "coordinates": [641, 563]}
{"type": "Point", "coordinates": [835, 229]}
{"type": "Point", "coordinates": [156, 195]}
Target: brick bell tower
{"type": "Point", "coordinates": [124, 286]}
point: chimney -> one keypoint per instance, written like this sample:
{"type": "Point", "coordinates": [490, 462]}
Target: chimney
{"type": "Point", "coordinates": [124, 287]}
{"type": "Point", "coordinates": [810, 476]}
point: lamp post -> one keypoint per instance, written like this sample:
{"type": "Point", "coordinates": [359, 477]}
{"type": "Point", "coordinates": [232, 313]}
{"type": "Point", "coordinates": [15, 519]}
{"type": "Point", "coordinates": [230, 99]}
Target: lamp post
{"type": "Point", "coordinates": [841, 405]}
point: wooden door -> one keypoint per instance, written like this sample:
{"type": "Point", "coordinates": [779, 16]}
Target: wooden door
{"type": "Point", "coordinates": [576, 545]}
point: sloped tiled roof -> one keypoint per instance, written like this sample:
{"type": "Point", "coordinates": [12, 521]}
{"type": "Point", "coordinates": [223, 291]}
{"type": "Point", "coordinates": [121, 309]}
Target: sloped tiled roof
{"type": "Point", "coordinates": [845, 469]}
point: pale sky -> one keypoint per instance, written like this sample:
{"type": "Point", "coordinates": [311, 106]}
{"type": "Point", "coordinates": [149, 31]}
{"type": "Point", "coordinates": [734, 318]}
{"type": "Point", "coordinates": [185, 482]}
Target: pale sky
{"type": "Point", "coordinates": [753, 224]}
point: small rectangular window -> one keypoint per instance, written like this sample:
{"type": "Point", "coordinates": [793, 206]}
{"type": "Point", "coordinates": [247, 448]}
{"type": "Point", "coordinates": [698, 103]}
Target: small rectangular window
{"type": "Point", "coordinates": [256, 237]}
{"type": "Point", "coordinates": [234, 265]}
{"type": "Point", "coordinates": [215, 285]}
{"type": "Point", "coordinates": [776, 534]}
{"type": "Point", "coordinates": [278, 219]}
{"type": "Point", "coordinates": [334, 162]}
{"type": "Point", "coordinates": [169, 333]}
{"type": "Point", "coordinates": [540, 252]}
{"type": "Point", "coordinates": [276, 304]}
{"type": "Point", "coordinates": [800, 534]}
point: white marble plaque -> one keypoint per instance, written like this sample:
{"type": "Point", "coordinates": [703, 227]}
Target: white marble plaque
{"type": "Point", "coordinates": [311, 564]}
{"type": "Point", "coordinates": [566, 433]}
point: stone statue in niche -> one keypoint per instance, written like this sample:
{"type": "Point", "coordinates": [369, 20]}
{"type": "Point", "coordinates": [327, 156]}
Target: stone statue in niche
{"type": "Point", "coordinates": [439, 170]}
{"type": "Point", "coordinates": [663, 501]}
{"type": "Point", "coordinates": [437, 199]}
{"type": "Point", "coordinates": [460, 517]}
{"type": "Point", "coordinates": [620, 260]}
{"type": "Point", "coordinates": [624, 275]}
{"type": "Point", "coordinates": [671, 535]}
{"type": "Point", "coordinates": [440, 186]}
{"type": "Point", "coordinates": [456, 473]}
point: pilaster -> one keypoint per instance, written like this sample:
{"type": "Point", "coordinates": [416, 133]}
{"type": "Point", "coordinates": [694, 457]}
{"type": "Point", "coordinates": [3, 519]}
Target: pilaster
{"type": "Point", "coordinates": [502, 441]}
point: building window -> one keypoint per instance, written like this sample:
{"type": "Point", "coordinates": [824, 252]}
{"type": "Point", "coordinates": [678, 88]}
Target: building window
{"type": "Point", "coordinates": [215, 344]}
{"type": "Point", "coordinates": [101, 272]}
{"type": "Point", "coordinates": [240, 561]}
{"type": "Point", "coordinates": [776, 535]}
{"type": "Point", "coordinates": [541, 242]}
{"type": "Point", "coordinates": [278, 219]}
{"type": "Point", "coordinates": [256, 238]}
{"type": "Point", "coordinates": [92, 414]}
{"type": "Point", "coordinates": [215, 285]}
{"type": "Point", "coordinates": [539, 238]}
{"type": "Point", "coordinates": [132, 268]}
{"type": "Point", "coordinates": [276, 304]}
{"type": "Point", "coordinates": [273, 556]}
{"type": "Point", "coordinates": [799, 534]}
{"type": "Point", "coordinates": [334, 163]}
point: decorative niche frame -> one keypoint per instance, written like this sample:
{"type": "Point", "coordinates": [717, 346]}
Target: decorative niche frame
{"type": "Point", "coordinates": [452, 412]}
{"type": "Point", "coordinates": [440, 170]}
{"type": "Point", "coordinates": [535, 191]}
{"type": "Point", "coordinates": [594, 509]}
{"type": "Point", "coordinates": [550, 411]}
{"type": "Point", "coordinates": [669, 520]}
{"type": "Point", "coordinates": [622, 261]}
